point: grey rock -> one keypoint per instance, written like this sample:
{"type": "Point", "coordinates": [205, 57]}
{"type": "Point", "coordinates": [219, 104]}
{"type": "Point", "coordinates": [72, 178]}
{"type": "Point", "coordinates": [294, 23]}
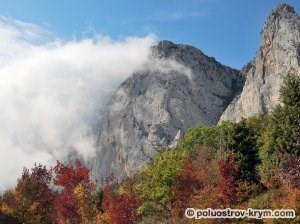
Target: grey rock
{"type": "Point", "coordinates": [278, 55]}
{"type": "Point", "coordinates": [181, 87]}
{"type": "Point", "coordinates": [176, 140]}
{"type": "Point", "coordinates": [178, 89]}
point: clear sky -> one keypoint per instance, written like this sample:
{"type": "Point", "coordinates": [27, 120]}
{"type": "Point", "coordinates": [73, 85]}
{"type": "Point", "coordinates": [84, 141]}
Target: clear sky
{"type": "Point", "coordinates": [226, 29]}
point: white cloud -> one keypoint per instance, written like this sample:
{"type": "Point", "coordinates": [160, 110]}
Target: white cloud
{"type": "Point", "coordinates": [17, 38]}
{"type": "Point", "coordinates": [52, 92]}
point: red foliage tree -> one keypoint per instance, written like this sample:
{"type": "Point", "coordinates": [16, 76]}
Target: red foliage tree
{"type": "Point", "coordinates": [183, 189]}
{"type": "Point", "coordinates": [227, 170]}
{"type": "Point", "coordinates": [196, 184]}
{"type": "Point", "coordinates": [67, 205]}
{"type": "Point", "coordinates": [119, 202]}
{"type": "Point", "coordinates": [31, 200]}
{"type": "Point", "coordinates": [289, 197]}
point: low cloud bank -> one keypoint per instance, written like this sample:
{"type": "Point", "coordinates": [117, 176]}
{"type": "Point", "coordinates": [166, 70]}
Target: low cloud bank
{"type": "Point", "coordinates": [52, 92]}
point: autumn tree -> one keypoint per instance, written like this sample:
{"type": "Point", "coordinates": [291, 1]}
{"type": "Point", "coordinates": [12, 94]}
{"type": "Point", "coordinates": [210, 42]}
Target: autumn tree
{"type": "Point", "coordinates": [73, 204]}
{"type": "Point", "coordinates": [31, 200]}
{"type": "Point", "coordinates": [288, 196]}
{"type": "Point", "coordinates": [119, 202]}
{"type": "Point", "coordinates": [227, 170]}
{"type": "Point", "coordinates": [183, 189]}
{"type": "Point", "coordinates": [291, 173]}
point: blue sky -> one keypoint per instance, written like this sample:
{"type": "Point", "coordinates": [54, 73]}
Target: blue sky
{"type": "Point", "coordinates": [226, 29]}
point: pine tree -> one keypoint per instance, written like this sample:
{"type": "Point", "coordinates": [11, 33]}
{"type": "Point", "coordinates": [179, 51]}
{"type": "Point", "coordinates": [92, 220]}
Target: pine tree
{"type": "Point", "coordinates": [290, 91]}
{"type": "Point", "coordinates": [241, 140]}
{"type": "Point", "coordinates": [279, 141]}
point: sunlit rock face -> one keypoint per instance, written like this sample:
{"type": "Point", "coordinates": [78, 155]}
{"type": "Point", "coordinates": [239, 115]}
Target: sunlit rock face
{"type": "Point", "coordinates": [278, 55]}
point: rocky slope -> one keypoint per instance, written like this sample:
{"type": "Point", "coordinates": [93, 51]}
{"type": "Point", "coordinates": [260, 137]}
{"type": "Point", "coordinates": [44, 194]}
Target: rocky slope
{"type": "Point", "coordinates": [179, 88]}
{"type": "Point", "coordinates": [278, 55]}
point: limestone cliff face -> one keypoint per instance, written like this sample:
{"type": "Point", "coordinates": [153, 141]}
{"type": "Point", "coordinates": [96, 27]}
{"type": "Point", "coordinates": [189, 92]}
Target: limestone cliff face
{"type": "Point", "coordinates": [178, 89]}
{"type": "Point", "coordinates": [278, 55]}
{"type": "Point", "coordinates": [181, 87]}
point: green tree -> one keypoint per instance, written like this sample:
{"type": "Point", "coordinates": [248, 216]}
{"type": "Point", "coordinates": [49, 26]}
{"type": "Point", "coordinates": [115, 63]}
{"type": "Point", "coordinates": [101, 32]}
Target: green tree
{"type": "Point", "coordinates": [240, 139]}
{"type": "Point", "coordinates": [208, 136]}
{"type": "Point", "coordinates": [290, 91]}
{"type": "Point", "coordinates": [155, 181]}
{"type": "Point", "coordinates": [278, 142]}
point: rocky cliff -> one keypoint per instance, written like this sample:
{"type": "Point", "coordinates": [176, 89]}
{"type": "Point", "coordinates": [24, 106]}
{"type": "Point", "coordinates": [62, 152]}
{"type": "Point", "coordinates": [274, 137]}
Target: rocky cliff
{"type": "Point", "coordinates": [179, 88]}
{"type": "Point", "coordinates": [278, 55]}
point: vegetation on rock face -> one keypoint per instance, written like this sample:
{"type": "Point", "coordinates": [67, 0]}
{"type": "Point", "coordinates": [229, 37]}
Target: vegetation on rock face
{"type": "Point", "coordinates": [254, 163]}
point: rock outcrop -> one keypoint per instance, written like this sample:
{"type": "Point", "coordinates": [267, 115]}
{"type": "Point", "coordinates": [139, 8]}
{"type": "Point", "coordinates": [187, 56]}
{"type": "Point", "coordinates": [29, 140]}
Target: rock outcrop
{"type": "Point", "coordinates": [178, 89]}
{"type": "Point", "coordinates": [278, 55]}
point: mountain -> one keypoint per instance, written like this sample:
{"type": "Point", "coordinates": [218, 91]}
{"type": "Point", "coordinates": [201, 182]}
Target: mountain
{"type": "Point", "coordinates": [181, 88]}
{"type": "Point", "coordinates": [178, 89]}
{"type": "Point", "coordinates": [278, 55]}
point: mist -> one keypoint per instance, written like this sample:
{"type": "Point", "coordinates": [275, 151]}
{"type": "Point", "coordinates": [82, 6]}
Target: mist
{"type": "Point", "coordinates": [52, 92]}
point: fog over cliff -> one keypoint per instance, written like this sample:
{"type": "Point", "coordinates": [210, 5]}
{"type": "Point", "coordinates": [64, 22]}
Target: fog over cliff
{"type": "Point", "coordinates": [52, 92]}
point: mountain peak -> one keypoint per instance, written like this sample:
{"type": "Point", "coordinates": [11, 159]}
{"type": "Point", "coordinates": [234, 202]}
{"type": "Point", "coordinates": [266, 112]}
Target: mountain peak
{"type": "Point", "coordinates": [282, 24]}
{"type": "Point", "coordinates": [281, 12]}
{"type": "Point", "coordinates": [278, 55]}
{"type": "Point", "coordinates": [282, 9]}
{"type": "Point", "coordinates": [165, 44]}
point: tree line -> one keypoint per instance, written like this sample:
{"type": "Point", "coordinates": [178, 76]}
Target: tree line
{"type": "Point", "coordinates": [254, 163]}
